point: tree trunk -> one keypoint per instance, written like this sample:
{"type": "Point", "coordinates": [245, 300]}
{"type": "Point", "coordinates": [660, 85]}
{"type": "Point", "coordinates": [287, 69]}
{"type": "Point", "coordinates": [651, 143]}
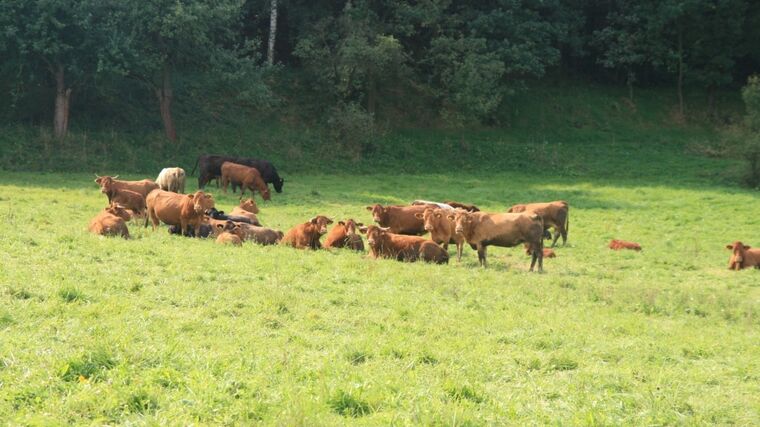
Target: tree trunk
{"type": "Point", "coordinates": [62, 99]}
{"type": "Point", "coordinates": [711, 110]}
{"type": "Point", "coordinates": [165, 96]}
{"type": "Point", "coordinates": [272, 31]}
{"type": "Point", "coordinates": [680, 72]}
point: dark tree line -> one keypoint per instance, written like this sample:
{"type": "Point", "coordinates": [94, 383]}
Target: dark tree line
{"type": "Point", "coordinates": [463, 57]}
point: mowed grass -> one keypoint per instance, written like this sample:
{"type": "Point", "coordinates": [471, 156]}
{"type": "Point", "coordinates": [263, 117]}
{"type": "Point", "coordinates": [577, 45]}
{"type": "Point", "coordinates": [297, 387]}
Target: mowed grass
{"type": "Point", "coordinates": [164, 329]}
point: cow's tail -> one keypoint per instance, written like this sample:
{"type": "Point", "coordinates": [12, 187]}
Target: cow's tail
{"type": "Point", "coordinates": [197, 160]}
{"type": "Point", "coordinates": [567, 222]}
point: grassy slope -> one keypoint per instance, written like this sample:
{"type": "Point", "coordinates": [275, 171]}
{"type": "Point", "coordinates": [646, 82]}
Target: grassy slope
{"type": "Point", "coordinates": [169, 329]}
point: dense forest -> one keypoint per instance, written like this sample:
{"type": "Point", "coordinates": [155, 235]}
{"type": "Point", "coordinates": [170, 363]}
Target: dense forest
{"type": "Point", "coordinates": [108, 62]}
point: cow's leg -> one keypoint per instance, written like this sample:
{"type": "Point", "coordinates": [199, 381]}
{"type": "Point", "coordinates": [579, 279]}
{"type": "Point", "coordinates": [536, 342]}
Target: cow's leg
{"type": "Point", "coordinates": [460, 246]}
{"type": "Point", "coordinates": [482, 255]}
{"type": "Point", "coordinates": [557, 233]}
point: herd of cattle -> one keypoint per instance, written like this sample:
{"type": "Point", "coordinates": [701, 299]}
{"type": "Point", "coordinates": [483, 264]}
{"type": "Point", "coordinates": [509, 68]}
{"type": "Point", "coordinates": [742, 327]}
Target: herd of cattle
{"type": "Point", "coordinates": [397, 234]}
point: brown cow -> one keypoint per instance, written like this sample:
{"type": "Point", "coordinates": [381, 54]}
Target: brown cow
{"type": "Point", "coordinates": [307, 235]}
{"type": "Point", "coordinates": [109, 184]}
{"type": "Point", "coordinates": [229, 233]}
{"type": "Point", "coordinates": [468, 208]}
{"type": "Point", "coordinates": [129, 199]}
{"type": "Point", "coordinates": [111, 221]}
{"type": "Point", "coordinates": [743, 256]}
{"type": "Point", "coordinates": [482, 229]}
{"type": "Point", "coordinates": [555, 214]}
{"type": "Point", "coordinates": [248, 209]}
{"type": "Point", "coordinates": [617, 245]}
{"type": "Point", "coordinates": [399, 219]}
{"type": "Point", "coordinates": [401, 247]}
{"type": "Point", "coordinates": [343, 235]}
{"type": "Point", "coordinates": [261, 235]}
{"type": "Point", "coordinates": [246, 176]}
{"type": "Point", "coordinates": [441, 229]}
{"type": "Point", "coordinates": [548, 253]}
{"type": "Point", "coordinates": [178, 209]}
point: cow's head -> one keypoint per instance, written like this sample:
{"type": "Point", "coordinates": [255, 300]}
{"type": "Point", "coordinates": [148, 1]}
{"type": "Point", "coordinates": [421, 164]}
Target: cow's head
{"type": "Point", "coordinates": [431, 217]}
{"type": "Point", "coordinates": [516, 209]}
{"type": "Point", "coordinates": [462, 221]}
{"type": "Point", "coordinates": [351, 226]}
{"type": "Point", "coordinates": [321, 222]}
{"type": "Point", "coordinates": [118, 210]}
{"type": "Point", "coordinates": [106, 183]}
{"type": "Point", "coordinates": [278, 183]}
{"type": "Point", "coordinates": [249, 205]}
{"type": "Point", "coordinates": [230, 227]}
{"type": "Point", "coordinates": [201, 201]}
{"type": "Point", "coordinates": [99, 179]}
{"type": "Point", "coordinates": [374, 233]}
{"type": "Point", "coordinates": [737, 252]}
{"type": "Point", "coordinates": [266, 194]}
{"type": "Point", "coordinates": [378, 212]}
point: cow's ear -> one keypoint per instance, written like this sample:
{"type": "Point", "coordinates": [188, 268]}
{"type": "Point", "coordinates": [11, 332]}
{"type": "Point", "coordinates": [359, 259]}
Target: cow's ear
{"type": "Point", "coordinates": [191, 196]}
{"type": "Point", "coordinates": [730, 247]}
{"type": "Point", "coordinates": [369, 208]}
{"type": "Point", "coordinates": [329, 221]}
{"type": "Point", "coordinates": [363, 229]}
{"type": "Point", "coordinates": [418, 215]}
{"type": "Point", "coordinates": [313, 220]}
{"type": "Point", "coordinates": [451, 217]}
{"type": "Point", "coordinates": [220, 226]}
{"type": "Point", "coordinates": [342, 223]}
{"type": "Point", "coordinates": [384, 228]}
{"type": "Point", "coordinates": [747, 247]}
{"type": "Point", "coordinates": [359, 224]}
{"type": "Point", "coordinates": [438, 215]}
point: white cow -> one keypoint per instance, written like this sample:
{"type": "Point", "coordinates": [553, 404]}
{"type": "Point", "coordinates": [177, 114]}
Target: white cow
{"type": "Point", "coordinates": [172, 179]}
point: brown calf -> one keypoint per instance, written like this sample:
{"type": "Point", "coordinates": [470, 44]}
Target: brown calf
{"type": "Point", "coordinates": [743, 256]}
{"type": "Point", "coordinates": [109, 184]}
{"type": "Point", "coordinates": [307, 235]}
{"type": "Point", "coordinates": [399, 219]}
{"type": "Point", "coordinates": [384, 244]}
{"type": "Point", "coordinates": [343, 235]}
{"type": "Point", "coordinates": [248, 209]}
{"type": "Point", "coordinates": [261, 235]}
{"type": "Point", "coordinates": [130, 200]}
{"type": "Point", "coordinates": [441, 228]}
{"type": "Point", "coordinates": [246, 176]}
{"type": "Point", "coordinates": [178, 209]}
{"type": "Point", "coordinates": [230, 233]}
{"type": "Point", "coordinates": [111, 221]}
{"type": "Point", "coordinates": [617, 245]}
{"type": "Point", "coordinates": [555, 214]}
{"type": "Point", "coordinates": [482, 229]}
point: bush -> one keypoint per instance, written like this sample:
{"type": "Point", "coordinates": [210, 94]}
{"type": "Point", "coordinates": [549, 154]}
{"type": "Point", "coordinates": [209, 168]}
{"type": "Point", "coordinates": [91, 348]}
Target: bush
{"type": "Point", "coordinates": [353, 130]}
{"type": "Point", "coordinates": [750, 150]}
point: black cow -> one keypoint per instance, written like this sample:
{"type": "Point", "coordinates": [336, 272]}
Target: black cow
{"type": "Point", "coordinates": [210, 167]}
{"type": "Point", "coordinates": [220, 215]}
{"type": "Point", "coordinates": [190, 232]}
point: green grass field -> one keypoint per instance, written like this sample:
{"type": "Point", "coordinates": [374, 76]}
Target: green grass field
{"type": "Point", "coordinates": [168, 330]}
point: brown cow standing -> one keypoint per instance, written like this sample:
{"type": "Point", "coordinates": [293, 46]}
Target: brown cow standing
{"type": "Point", "coordinates": [399, 219]}
{"type": "Point", "coordinates": [343, 235]}
{"type": "Point", "coordinates": [130, 200]}
{"type": "Point", "coordinates": [307, 235]}
{"type": "Point", "coordinates": [247, 177]}
{"type": "Point", "coordinates": [555, 214]}
{"type": "Point", "coordinates": [178, 209]}
{"type": "Point", "coordinates": [109, 184]}
{"type": "Point", "coordinates": [482, 229]}
{"type": "Point", "coordinates": [441, 228]}
{"type": "Point", "coordinates": [743, 256]}
{"type": "Point", "coordinates": [111, 221]}
{"type": "Point", "coordinates": [248, 209]}
{"type": "Point", "coordinates": [230, 233]}
{"type": "Point", "coordinates": [616, 245]}
{"type": "Point", "coordinates": [384, 244]}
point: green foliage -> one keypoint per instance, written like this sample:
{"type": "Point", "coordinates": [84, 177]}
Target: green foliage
{"type": "Point", "coordinates": [750, 148]}
{"type": "Point", "coordinates": [751, 98]}
{"type": "Point", "coordinates": [352, 130]}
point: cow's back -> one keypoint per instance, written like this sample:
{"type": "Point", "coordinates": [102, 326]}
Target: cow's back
{"type": "Point", "coordinates": [506, 229]}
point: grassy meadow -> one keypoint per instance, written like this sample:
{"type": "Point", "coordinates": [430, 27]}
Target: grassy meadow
{"type": "Point", "coordinates": [162, 329]}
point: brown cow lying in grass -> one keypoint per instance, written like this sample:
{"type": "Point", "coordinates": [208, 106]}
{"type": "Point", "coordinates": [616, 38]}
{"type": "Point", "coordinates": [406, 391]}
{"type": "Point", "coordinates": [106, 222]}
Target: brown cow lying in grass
{"type": "Point", "coordinates": [384, 244]}
{"type": "Point", "coordinates": [343, 235]}
{"type": "Point", "coordinates": [261, 235]}
{"type": "Point", "coordinates": [307, 235]}
{"type": "Point", "coordinates": [247, 208]}
{"type": "Point", "coordinates": [482, 229]}
{"type": "Point", "coordinates": [109, 184]}
{"type": "Point", "coordinates": [178, 209]}
{"type": "Point", "coordinates": [457, 205]}
{"type": "Point", "coordinates": [111, 221]}
{"type": "Point", "coordinates": [743, 256]}
{"type": "Point", "coordinates": [548, 253]}
{"type": "Point", "coordinates": [229, 233]}
{"type": "Point", "coordinates": [246, 176]}
{"type": "Point", "coordinates": [617, 245]}
{"type": "Point", "coordinates": [555, 214]}
{"type": "Point", "coordinates": [441, 229]}
{"type": "Point", "coordinates": [399, 219]}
